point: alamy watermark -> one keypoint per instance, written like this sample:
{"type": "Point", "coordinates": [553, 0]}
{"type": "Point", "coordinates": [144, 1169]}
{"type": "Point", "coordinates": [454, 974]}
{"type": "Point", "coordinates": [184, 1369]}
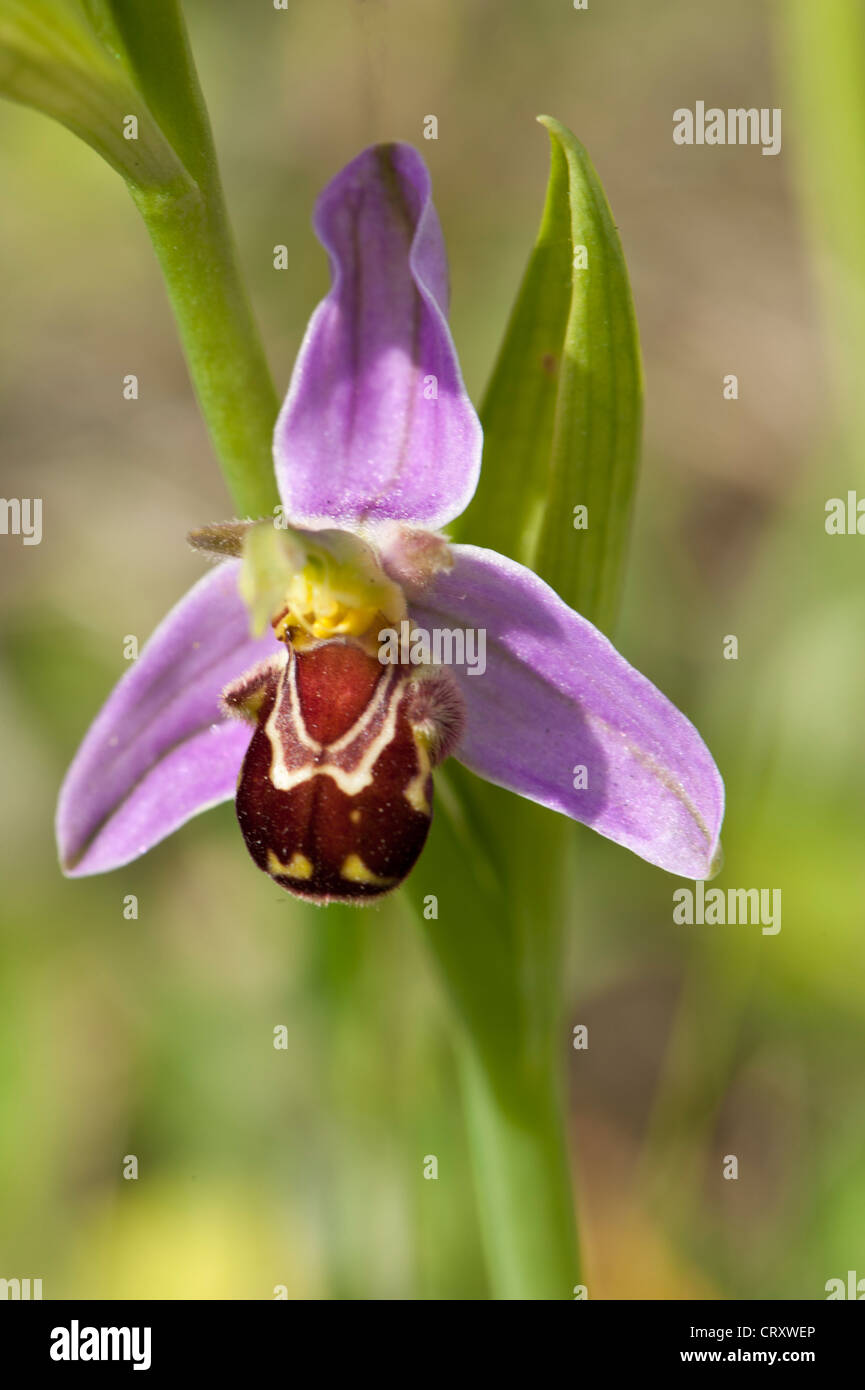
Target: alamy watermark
{"type": "Point", "coordinates": [20, 1289]}
{"type": "Point", "coordinates": [736, 906]}
{"type": "Point", "coordinates": [852, 1287]}
{"type": "Point", "coordinates": [77, 1343]}
{"type": "Point", "coordinates": [845, 517]}
{"type": "Point", "coordinates": [443, 646]}
{"type": "Point", "coordinates": [21, 516]}
{"type": "Point", "coordinates": [735, 126]}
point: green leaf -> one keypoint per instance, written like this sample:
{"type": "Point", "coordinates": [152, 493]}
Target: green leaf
{"type": "Point", "coordinates": [562, 416]}
{"type": "Point", "coordinates": [152, 37]}
{"type": "Point", "coordinates": [92, 64]}
{"type": "Point", "coordinates": [561, 424]}
{"type": "Point", "coordinates": [56, 57]}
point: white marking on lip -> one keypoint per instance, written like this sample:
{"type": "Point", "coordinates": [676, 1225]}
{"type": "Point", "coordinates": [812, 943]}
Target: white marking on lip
{"type": "Point", "coordinates": [353, 780]}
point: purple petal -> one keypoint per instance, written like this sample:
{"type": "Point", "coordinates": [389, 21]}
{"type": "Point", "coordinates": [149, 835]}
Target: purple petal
{"type": "Point", "coordinates": [556, 696]}
{"type": "Point", "coordinates": [161, 749]}
{"type": "Point", "coordinates": [360, 436]}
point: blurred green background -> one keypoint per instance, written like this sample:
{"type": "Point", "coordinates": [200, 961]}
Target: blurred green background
{"type": "Point", "coordinates": [303, 1167]}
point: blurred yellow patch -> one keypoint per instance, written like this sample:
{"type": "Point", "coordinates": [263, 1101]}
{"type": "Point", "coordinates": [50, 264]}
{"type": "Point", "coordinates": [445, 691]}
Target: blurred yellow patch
{"type": "Point", "coordinates": [172, 1240]}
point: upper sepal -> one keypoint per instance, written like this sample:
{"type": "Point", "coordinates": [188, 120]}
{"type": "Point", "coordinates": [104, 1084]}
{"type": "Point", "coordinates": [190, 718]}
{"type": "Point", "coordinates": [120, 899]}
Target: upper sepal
{"type": "Point", "coordinates": [377, 424]}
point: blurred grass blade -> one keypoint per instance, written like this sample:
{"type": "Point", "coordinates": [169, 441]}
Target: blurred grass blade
{"type": "Point", "coordinates": [563, 412]}
{"type": "Point", "coordinates": [821, 61]}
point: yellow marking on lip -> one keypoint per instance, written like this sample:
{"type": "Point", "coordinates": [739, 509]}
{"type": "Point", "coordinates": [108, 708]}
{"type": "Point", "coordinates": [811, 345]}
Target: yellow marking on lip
{"type": "Point", "coordinates": [298, 866]}
{"type": "Point", "coordinates": [354, 817]}
{"type": "Point", "coordinates": [355, 871]}
{"type": "Point", "coordinates": [415, 791]}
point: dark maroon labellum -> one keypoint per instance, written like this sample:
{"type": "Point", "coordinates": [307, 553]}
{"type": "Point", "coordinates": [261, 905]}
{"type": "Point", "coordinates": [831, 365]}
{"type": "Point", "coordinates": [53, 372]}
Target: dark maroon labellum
{"type": "Point", "coordinates": [335, 794]}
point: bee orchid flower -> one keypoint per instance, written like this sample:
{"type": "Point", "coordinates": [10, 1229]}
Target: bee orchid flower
{"type": "Point", "coordinates": [326, 717]}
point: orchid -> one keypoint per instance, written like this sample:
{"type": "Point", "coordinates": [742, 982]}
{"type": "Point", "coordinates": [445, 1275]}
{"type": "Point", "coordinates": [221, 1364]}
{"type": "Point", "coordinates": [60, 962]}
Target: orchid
{"type": "Point", "coordinates": [269, 680]}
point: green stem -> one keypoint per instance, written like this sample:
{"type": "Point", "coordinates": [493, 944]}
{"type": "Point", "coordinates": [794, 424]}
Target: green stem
{"type": "Point", "coordinates": [523, 1183]}
{"type": "Point", "coordinates": [189, 228]}
{"type": "Point", "coordinates": [222, 346]}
